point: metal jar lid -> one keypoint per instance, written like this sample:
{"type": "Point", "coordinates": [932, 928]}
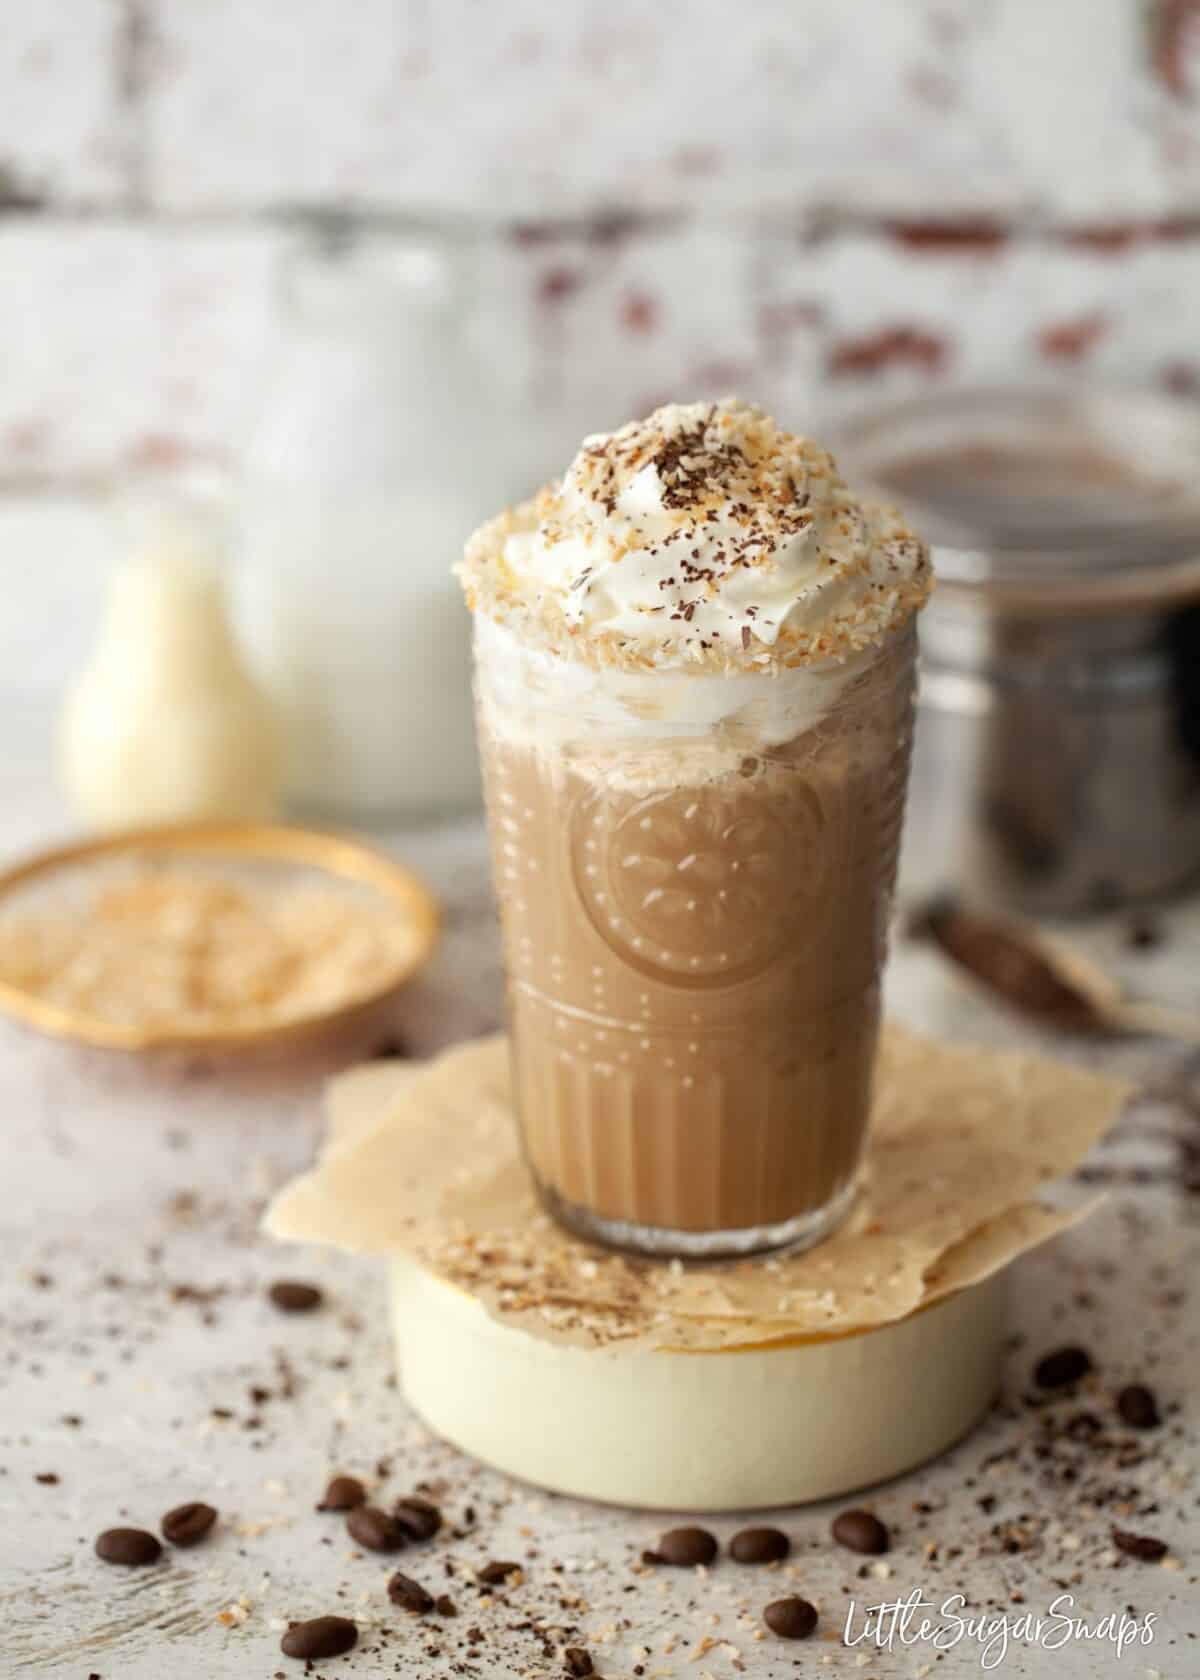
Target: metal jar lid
{"type": "Point", "coordinates": [1044, 497]}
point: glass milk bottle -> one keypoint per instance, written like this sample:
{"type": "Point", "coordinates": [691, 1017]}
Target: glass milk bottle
{"type": "Point", "coordinates": [368, 468]}
{"type": "Point", "coordinates": [165, 724]}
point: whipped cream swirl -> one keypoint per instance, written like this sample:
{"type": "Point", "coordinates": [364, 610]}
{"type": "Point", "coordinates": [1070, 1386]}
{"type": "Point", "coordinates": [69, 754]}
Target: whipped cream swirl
{"type": "Point", "coordinates": [705, 533]}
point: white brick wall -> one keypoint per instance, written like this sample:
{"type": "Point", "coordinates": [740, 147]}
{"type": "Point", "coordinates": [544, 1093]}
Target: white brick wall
{"type": "Point", "coordinates": [65, 123]}
{"type": "Point", "coordinates": [137, 301]}
{"type": "Point", "coordinates": [532, 105]}
{"type": "Point", "coordinates": [120, 340]}
{"type": "Point", "coordinates": [519, 107]}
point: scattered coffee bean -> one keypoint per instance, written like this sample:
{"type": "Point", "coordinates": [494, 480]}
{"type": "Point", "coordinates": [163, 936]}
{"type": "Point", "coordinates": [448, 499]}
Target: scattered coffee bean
{"type": "Point", "coordinates": [1143, 933]}
{"type": "Point", "coordinates": [292, 1297]}
{"type": "Point", "coordinates": [47, 1478]}
{"type": "Point", "coordinates": [445, 1606]}
{"type": "Point", "coordinates": [1141, 1546]}
{"type": "Point", "coordinates": [859, 1531]}
{"type": "Point", "coordinates": [759, 1545]}
{"type": "Point", "coordinates": [683, 1547]}
{"type": "Point", "coordinates": [324, 1636]}
{"type": "Point", "coordinates": [188, 1524]}
{"type": "Point", "coordinates": [1138, 1407]}
{"type": "Point", "coordinates": [129, 1546]}
{"type": "Point", "coordinates": [791, 1618]}
{"type": "Point", "coordinates": [375, 1529]}
{"type": "Point", "coordinates": [1063, 1366]}
{"type": "Point", "coordinates": [417, 1517]}
{"type": "Point", "coordinates": [498, 1574]}
{"type": "Point", "coordinates": [576, 1662]}
{"type": "Point", "coordinates": [409, 1594]}
{"type": "Point", "coordinates": [343, 1494]}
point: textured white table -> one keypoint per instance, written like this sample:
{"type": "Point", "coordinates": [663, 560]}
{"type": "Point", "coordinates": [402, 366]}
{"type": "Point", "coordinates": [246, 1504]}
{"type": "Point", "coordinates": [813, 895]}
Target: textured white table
{"type": "Point", "coordinates": [133, 1329]}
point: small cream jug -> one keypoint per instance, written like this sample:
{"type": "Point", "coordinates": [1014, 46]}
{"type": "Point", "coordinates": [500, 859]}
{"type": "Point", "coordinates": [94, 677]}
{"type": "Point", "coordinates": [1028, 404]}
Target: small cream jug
{"type": "Point", "coordinates": [165, 724]}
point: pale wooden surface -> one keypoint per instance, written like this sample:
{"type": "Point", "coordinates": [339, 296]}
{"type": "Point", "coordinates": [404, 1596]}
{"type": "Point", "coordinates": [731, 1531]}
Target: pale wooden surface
{"type": "Point", "coordinates": [120, 1186]}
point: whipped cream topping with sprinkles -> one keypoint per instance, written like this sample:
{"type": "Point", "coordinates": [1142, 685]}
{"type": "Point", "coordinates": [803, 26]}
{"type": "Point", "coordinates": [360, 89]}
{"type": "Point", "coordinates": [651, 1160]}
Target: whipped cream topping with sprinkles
{"type": "Point", "coordinates": [702, 535]}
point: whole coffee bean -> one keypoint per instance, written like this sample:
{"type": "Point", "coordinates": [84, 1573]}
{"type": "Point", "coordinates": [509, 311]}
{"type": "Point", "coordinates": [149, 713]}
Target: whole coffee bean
{"type": "Point", "coordinates": [759, 1545]}
{"type": "Point", "coordinates": [292, 1297]}
{"type": "Point", "coordinates": [497, 1574]}
{"type": "Point", "coordinates": [343, 1494]}
{"type": "Point", "coordinates": [684, 1547]}
{"type": "Point", "coordinates": [188, 1524]}
{"type": "Point", "coordinates": [417, 1517]}
{"type": "Point", "coordinates": [375, 1529]}
{"type": "Point", "coordinates": [861, 1532]}
{"type": "Point", "coordinates": [324, 1636]}
{"type": "Point", "coordinates": [577, 1663]}
{"type": "Point", "coordinates": [1140, 1546]}
{"type": "Point", "coordinates": [129, 1546]}
{"type": "Point", "coordinates": [389, 1049]}
{"type": "Point", "coordinates": [1063, 1366]}
{"type": "Point", "coordinates": [409, 1594]}
{"type": "Point", "coordinates": [791, 1618]}
{"type": "Point", "coordinates": [1138, 1407]}
{"type": "Point", "coordinates": [1143, 933]}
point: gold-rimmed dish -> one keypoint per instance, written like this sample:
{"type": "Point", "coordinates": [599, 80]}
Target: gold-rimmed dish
{"type": "Point", "coordinates": [262, 855]}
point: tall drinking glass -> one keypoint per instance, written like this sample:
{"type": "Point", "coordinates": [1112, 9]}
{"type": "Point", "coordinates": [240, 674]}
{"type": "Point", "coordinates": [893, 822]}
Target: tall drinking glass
{"type": "Point", "coordinates": [695, 874]}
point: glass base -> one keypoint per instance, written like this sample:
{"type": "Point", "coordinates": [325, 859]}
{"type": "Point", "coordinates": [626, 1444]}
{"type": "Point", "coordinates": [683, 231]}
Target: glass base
{"type": "Point", "coordinates": [662, 1242]}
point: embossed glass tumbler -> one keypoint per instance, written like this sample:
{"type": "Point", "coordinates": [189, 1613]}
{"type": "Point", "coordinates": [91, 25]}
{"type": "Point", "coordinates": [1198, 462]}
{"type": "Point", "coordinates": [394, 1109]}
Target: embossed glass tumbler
{"type": "Point", "coordinates": [695, 875]}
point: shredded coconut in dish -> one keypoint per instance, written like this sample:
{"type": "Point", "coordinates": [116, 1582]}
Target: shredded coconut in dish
{"type": "Point", "coordinates": [190, 951]}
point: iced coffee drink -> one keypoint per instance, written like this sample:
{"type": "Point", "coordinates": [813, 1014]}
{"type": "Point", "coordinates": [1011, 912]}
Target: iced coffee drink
{"type": "Point", "coordinates": [694, 665]}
